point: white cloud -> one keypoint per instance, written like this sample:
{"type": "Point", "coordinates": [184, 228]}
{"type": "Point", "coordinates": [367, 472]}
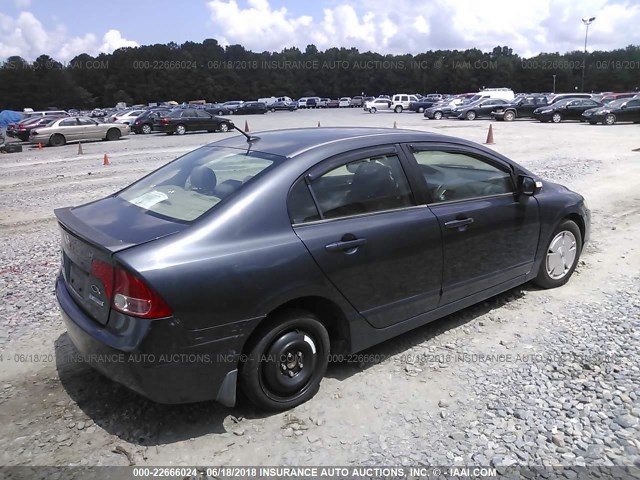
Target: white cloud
{"type": "Point", "coordinates": [413, 26]}
{"type": "Point", "coordinates": [25, 36]}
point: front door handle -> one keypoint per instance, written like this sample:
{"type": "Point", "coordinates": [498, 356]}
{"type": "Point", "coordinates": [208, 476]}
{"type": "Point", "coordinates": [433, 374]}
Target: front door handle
{"type": "Point", "coordinates": [459, 224]}
{"type": "Point", "coordinates": [346, 245]}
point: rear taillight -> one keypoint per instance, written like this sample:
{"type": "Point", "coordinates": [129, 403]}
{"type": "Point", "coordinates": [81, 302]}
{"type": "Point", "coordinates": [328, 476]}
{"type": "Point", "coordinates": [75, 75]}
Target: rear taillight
{"type": "Point", "coordinates": [129, 294]}
{"type": "Point", "coordinates": [164, 121]}
{"type": "Point", "coordinates": [21, 127]}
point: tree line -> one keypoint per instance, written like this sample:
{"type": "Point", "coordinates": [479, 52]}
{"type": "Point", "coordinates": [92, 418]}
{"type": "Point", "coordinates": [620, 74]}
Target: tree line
{"type": "Point", "coordinates": [211, 72]}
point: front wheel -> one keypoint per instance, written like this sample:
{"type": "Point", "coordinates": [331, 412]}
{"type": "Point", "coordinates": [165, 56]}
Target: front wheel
{"type": "Point", "coordinates": [471, 115]}
{"type": "Point", "coordinates": [113, 134]}
{"type": "Point", "coordinates": [420, 109]}
{"type": "Point", "coordinates": [373, 110]}
{"type": "Point", "coordinates": [556, 118]}
{"type": "Point", "coordinates": [223, 127]}
{"type": "Point", "coordinates": [146, 129]}
{"type": "Point", "coordinates": [285, 364]}
{"type": "Point", "coordinates": [437, 115]}
{"type": "Point", "coordinates": [561, 256]}
{"type": "Point", "coordinates": [610, 119]}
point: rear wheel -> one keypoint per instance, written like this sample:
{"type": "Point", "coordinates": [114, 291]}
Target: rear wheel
{"type": "Point", "coordinates": [437, 115]}
{"type": "Point", "coordinates": [286, 361]}
{"type": "Point", "coordinates": [509, 116]}
{"type": "Point", "coordinates": [556, 118]}
{"type": "Point", "coordinates": [398, 109]}
{"type": "Point", "coordinates": [610, 119]}
{"type": "Point", "coordinates": [181, 129]}
{"type": "Point", "coordinates": [113, 134]}
{"type": "Point", "coordinates": [561, 256]}
{"type": "Point", "coordinates": [57, 140]}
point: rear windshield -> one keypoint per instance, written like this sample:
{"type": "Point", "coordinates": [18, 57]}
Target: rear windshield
{"type": "Point", "coordinates": [193, 184]}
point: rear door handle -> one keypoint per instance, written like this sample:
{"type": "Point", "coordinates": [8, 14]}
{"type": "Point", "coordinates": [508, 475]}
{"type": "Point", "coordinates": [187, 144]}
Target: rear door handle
{"type": "Point", "coordinates": [346, 245]}
{"type": "Point", "coordinates": [459, 223]}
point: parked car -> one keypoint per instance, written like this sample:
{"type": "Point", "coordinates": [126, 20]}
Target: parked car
{"type": "Point", "coordinates": [22, 130]}
{"type": "Point", "coordinates": [251, 108]}
{"type": "Point", "coordinates": [312, 102]}
{"type": "Point", "coordinates": [556, 97]}
{"type": "Point", "coordinates": [73, 129]}
{"type": "Point", "coordinates": [97, 113]}
{"type": "Point", "coordinates": [521, 107]}
{"type": "Point", "coordinates": [422, 104]}
{"type": "Point", "coordinates": [615, 96]}
{"type": "Point", "coordinates": [322, 103]}
{"type": "Point", "coordinates": [567, 109]}
{"type": "Point", "coordinates": [283, 105]}
{"type": "Point", "coordinates": [181, 121]}
{"type": "Point", "coordinates": [357, 101]}
{"type": "Point", "coordinates": [45, 113]}
{"type": "Point", "coordinates": [127, 117]}
{"type": "Point", "coordinates": [144, 122]}
{"type": "Point", "coordinates": [333, 103]}
{"type": "Point", "coordinates": [218, 109]}
{"type": "Point", "coordinates": [378, 104]}
{"type": "Point", "coordinates": [402, 101]}
{"type": "Point", "coordinates": [481, 108]}
{"type": "Point", "coordinates": [344, 102]}
{"type": "Point", "coordinates": [248, 267]}
{"type": "Point", "coordinates": [232, 105]}
{"type": "Point", "coordinates": [621, 110]}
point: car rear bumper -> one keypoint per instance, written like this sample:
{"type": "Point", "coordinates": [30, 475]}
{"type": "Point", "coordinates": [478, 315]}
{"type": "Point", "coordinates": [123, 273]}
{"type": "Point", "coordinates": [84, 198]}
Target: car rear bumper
{"type": "Point", "coordinates": [172, 373]}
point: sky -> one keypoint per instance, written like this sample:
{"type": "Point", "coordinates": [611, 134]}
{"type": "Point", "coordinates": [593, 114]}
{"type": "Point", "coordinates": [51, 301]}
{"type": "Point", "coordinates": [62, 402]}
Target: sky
{"type": "Point", "coordinates": [66, 28]}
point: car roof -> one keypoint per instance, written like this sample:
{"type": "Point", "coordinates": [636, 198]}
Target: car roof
{"type": "Point", "coordinates": [293, 142]}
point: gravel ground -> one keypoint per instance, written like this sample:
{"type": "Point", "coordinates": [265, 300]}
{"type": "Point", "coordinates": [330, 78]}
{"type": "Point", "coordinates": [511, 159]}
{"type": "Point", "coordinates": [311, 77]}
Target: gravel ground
{"type": "Point", "coordinates": [530, 377]}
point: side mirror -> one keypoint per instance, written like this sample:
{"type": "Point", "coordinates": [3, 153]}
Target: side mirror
{"type": "Point", "coordinates": [528, 186]}
{"type": "Point", "coordinates": [624, 105]}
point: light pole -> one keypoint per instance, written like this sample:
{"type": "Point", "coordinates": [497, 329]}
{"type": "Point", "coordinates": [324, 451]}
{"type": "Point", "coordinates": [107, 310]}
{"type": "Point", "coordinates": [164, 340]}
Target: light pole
{"type": "Point", "coordinates": [554, 84]}
{"type": "Point", "coordinates": [587, 22]}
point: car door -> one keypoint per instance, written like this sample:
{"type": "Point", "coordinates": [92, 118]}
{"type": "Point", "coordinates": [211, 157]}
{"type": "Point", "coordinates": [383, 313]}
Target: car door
{"type": "Point", "coordinates": [487, 107]}
{"type": "Point", "coordinates": [357, 216]}
{"type": "Point", "coordinates": [70, 128]}
{"type": "Point", "coordinates": [573, 110]}
{"type": "Point", "coordinates": [89, 129]}
{"type": "Point", "coordinates": [489, 233]}
{"type": "Point", "coordinates": [629, 111]}
{"type": "Point", "coordinates": [205, 120]}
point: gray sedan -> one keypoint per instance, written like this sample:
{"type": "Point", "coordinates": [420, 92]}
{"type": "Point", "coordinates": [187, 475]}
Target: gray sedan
{"type": "Point", "coordinates": [74, 129]}
{"type": "Point", "coordinates": [254, 261]}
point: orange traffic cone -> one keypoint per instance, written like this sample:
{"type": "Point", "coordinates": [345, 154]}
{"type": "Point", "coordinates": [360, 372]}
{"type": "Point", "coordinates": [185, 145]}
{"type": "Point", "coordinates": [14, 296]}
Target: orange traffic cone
{"type": "Point", "coordinates": [318, 122]}
{"type": "Point", "coordinates": [246, 126]}
{"type": "Point", "coordinates": [39, 146]}
{"type": "Point", "coordinates": [105, 160]}
{"type": "Point", "coordinates": [490, 136]}
{"type": "Point", "coordinates": [80, 152]}
{"type": "Point", "coordinates": [395, 125]}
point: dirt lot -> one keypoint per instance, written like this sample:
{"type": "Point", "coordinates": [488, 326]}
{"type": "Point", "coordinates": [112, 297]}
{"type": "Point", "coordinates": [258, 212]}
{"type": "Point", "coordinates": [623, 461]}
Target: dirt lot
{"type": "Point", "coordinates": [567, 392]}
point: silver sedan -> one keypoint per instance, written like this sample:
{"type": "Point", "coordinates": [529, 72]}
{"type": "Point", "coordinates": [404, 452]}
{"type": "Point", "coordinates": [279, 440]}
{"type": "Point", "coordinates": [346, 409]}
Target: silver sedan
{"type": "Point", "coordinates": [74, 129]}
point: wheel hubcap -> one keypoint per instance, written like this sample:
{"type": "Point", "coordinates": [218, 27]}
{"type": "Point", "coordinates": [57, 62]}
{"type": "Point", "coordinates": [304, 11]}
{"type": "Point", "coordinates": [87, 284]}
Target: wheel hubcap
{"type": "Point", "coordinates": [561, 255]}
{"type": "Point", "coordinates": [181, 129]}
{"type": "Point", "coordinates": [146, 129]}
{"type": "Point", "coordinates": [288, 365]}
{"type": "Point", "coordinates": [556, 118]}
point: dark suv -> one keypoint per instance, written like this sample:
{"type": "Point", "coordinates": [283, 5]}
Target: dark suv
{"type": "Point", "coordinates": [522, 107]}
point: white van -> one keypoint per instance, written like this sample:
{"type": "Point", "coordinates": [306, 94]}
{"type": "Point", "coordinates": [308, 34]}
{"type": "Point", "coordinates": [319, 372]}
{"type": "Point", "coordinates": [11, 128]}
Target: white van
{"type": "Point", "coordinates": [269, 100]}
{"type": "Point", "coordinates": [401, 101]}
{"type": "Point", "coordinates": [502, 93]}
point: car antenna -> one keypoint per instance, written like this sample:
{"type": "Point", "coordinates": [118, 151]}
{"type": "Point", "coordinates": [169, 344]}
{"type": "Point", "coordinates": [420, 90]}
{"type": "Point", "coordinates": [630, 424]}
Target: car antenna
{"type": "Point", "coordinates": [250, 138]}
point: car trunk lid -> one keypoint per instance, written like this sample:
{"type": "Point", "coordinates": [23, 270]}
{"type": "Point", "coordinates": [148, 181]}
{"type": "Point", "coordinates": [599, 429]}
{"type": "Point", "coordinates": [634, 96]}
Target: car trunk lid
{"type": "Point", "coordinates": [91, 235]}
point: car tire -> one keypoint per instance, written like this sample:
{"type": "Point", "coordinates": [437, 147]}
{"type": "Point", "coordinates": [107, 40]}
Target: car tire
{"type": "Point", "coordinates": [286, 361]}
{"type": "Point", "coordinates": [420, 109]}
{"type": "Point", "coordinates": [470, 115]}
{"type": "Point", "coordinates": [57, 140]}
{"type": "Point", "coordinates": [146, 129]}
{"type": "Point", "coordinates": [610, 119]}
{"type": "Point", "coordinates": [372, 110]}
{"type": "Point", "coordinates": [180, 129]}
{"type": "Point", "coordinates": [561, 256]}
{"type": "Point", "coordinates": [437, 115]}
{"type": "Point", "coordinates": [398, 109]}
{"type": "Point", "coordinates": [113, 134]}
{"type": "Point", "coordinates": [509, 116]}
{"type": "Point", "coordinates": [556, 118]}
{"type": "Point", "coordinates": [224, 127]}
